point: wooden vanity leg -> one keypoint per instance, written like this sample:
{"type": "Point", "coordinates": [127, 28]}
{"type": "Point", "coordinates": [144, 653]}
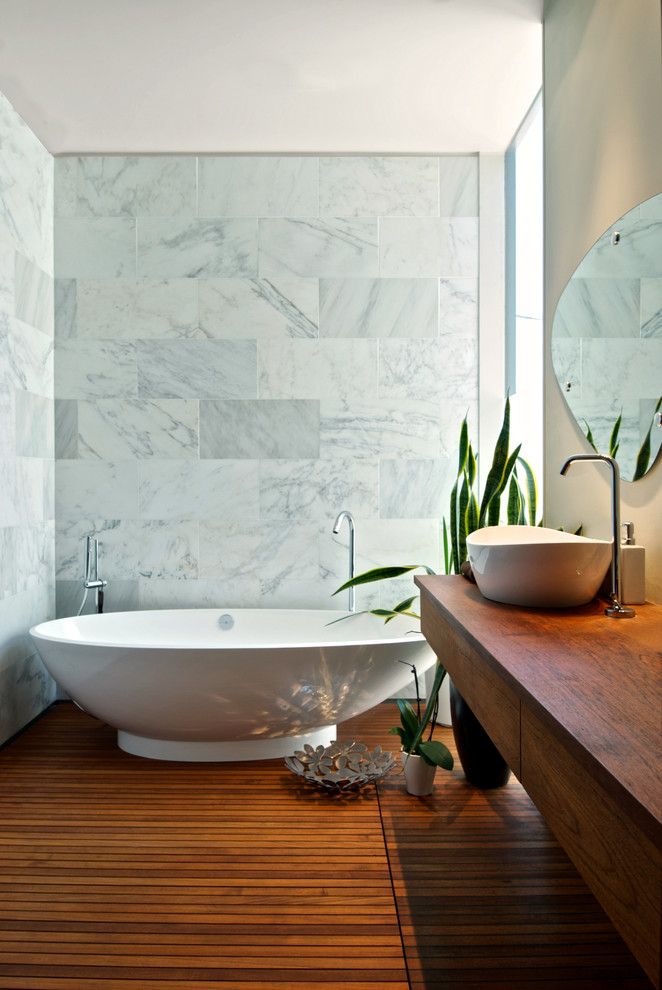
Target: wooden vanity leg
{"type": "Point", "coordinates": [482, 762]}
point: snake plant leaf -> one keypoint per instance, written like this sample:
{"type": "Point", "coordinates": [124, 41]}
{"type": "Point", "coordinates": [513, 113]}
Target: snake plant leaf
{"type": "Point", "coordinates": [381, 574]}
{"type": "Point", "coordinates": [494, 512]}
{"type": "Point", "coordinates": [462, 520]}
{"type": "Point", "coordinates": [494, 509]}
{"type": "Point", "coordinates": [580, 530]}
{"type": "Point", "coordinates": [472, 514]}
{"type": "Point", "coordinates": [589, 436]}
{"type": "Point", "coordinates": [471, 466]}
{"type": "Point", "coordinates": [447, 550]}
{"type": "Point", "coordinates": [514, 502]}
{"type": "Point", "coordinates": [496, 473]}
{"type": "Point", "coordinates": [643, 457]}
{"type": "Point", "coordinates": [613, 439]}
{"type": "Point", "coordinates": [531, 490]}
{"type": "Point", "coordinates": [436, 754]}
{"type": "Point", "coordinates": [464, 447]}
{"type": "Point", "coordinates": [453, 518]}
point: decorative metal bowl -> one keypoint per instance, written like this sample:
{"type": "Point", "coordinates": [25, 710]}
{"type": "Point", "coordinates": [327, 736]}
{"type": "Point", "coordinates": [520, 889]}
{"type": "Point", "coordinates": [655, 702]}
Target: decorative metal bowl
{"type": "Point", "coordinates": [340, 767]}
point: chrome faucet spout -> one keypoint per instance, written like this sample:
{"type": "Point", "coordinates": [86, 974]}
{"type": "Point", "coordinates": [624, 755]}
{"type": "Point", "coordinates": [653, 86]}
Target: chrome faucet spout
{"type": "Point", "coordinates": [615, 610]}
{"type": "Point", "coordinates": [349, 518]}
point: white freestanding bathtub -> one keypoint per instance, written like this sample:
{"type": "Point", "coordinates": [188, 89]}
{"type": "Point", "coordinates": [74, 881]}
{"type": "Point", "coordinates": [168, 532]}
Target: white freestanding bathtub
{"type": "Point", "coordinates": [202, 684]}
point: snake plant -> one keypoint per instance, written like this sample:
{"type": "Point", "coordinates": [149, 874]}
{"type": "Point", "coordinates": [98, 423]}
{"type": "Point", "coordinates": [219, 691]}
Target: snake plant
{"type": "Point", "coordinates": [642, 462]}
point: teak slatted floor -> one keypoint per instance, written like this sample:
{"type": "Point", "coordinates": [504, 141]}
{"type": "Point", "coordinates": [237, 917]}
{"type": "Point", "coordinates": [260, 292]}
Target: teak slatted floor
{"type": "Point", "coordinates": [120, 874]}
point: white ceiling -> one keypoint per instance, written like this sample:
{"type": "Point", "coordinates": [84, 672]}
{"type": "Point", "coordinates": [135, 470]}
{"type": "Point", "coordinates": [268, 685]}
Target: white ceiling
{"type": "Point", "coordinates": [271, 75]}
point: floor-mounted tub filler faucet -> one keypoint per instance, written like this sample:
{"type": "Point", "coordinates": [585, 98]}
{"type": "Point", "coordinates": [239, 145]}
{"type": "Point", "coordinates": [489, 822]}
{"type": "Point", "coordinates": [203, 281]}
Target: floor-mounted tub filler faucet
{"type": "Point", "coordinates": [92, 580]}
{"type": "Point", "coordinates": [341, 517]}
{"type": "Point", "coordinates": [615, 610]}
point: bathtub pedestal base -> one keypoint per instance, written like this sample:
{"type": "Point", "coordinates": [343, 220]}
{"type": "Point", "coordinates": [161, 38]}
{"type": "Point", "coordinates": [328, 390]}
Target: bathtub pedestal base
{"type": "Point", "coordinates": [222, 752]}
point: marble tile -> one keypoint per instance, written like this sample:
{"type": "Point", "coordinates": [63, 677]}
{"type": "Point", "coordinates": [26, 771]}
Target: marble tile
{"type": "Point", "coordinates": [7, 275]}
{"type": "Point", "coordinates": [143, 308]}
{"type": "Point", "coordinates": [66, 428]}
{"type": "Point", "coordinates": [421, 246]}
{"type": "Point", "coordinates": [216, 593]}
{"type": "Point", "coordinates": [197, 248]}
{"type": "Point", "coordinates": [204, 369]}
{"type": "Point", "coordinates": [34, 425]}
{"type": "Point", "coordinates": [458, 186]}
{"type": "Point", "coordinates": [17, 615]}
{"type": "Point", "coordinates": [317, 369]}
{"type": "Point", "coordinates": [628, 369]}
{"type": "Point", "coordinates": [385, 428]}
{"type": "Point", "coordinates": [109, 489]}
{"type": "Point", "coordinates": [26, 689]}
{"type": "Point", "coordinates": [129, 549]}
{"type": "Point", "coordinates": [316, 490]}
{"type": "Point", "coordinates": [208, 489]}
{"type": "Point", "coordinates": [113, 429]}
{"type": "Point", "coordinates": [34, 556]}
{"type": "Point", "coordinates": [119, 596]}
{"type": "Point", "coordinates": [415, 489]}
{"type": "Point", "coordinates": [34, 491]}
{"type": "Point", "coordinates": [8, 493]}
{"type": "Point", "coordinates": [637, 255]}
{"type": "Point", "coordinates": [458, 307]}
{"type": "Point", "coordinates": [375, 186]}
{"type": "Point", "coordinates": [33, 295]}
{"type": "Point", "coordinates": [652, 208]}
{"type": "Point", "coordinates": [258, 308]}
{"type": "Point", "coordinates": [651, 307]}
{"type": "Point", "coordinates": [261, 559]}
{"type": "Point", "coordinates": [65, 294]}
{"type": "Point", "coordinates": [8, 561]}
{"type": "Point", "coordinates": [126, 185]}
{"type": "Point", "coordinates": [598, 307]}
{"type": "Point", "coordinates": [103, 247]}
{"type": "Point", "coordinates": [373, 307]}
{"type": "Point", "coordinates": [26, 181]}
{"type": "Point", "coordinates": [257, 186]}
{"type": "Point", "coordinates": [7, 422]}
{"type": "Point", "coordinates": [260, 428]}
{"type": "Point", "coordinates": [318, 248]}
{"type": "Point", "coordinates": [567, 361]}
{"type": "Point", "coordinates": [26, 357]}
{"type": "Point", "coordinates": [412, 369]}
{"type": "Point", "coordinates": [88, 369]}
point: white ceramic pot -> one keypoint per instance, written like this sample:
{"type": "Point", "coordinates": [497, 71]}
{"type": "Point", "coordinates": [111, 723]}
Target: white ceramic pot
{"type": "Point", "coordinates": [419, 775]}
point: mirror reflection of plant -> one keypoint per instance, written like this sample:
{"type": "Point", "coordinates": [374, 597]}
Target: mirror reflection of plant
{"type": "Point", "coordinates": [413, 724]}
{"type": "Point", "coordinates": [467, 513]}
{"type": "Point", "coordinates": [642, 462]}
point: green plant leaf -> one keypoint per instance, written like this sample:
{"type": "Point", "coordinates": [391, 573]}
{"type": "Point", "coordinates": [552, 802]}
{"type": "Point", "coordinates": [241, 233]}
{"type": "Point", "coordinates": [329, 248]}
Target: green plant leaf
{"type": "Point", "coordinates": [494, 511]}
{"type": "Point", "coordinates": [499, 460]}
{"type": "Point", "coordinates": [405, 605]}
{"type": "Point", "coordinates": [453, 519]}
{"type": "Point", "coordinates": [643, 457]}
{"type": "Point", "coordinates": [381, 574]}
{"type": "Point", "coordinates": [436, 754]}
{"type": "Point", "coordinates": [613, 439]}
{"type": "Point", "coordinates": [409, 722]}
{"type": "Point", "coordinates": [472, 514]}
{"type": "Point", "coordinates": [464, 447]}
{"type": "Point", "coordinates": [446, 546]}
{"type": "Point", "coordinates": [514, 503]}
{"type": "Point", "coordinates": [396, 730]}
{"type": "Point", "coordinates": [439, 675]}
{"type": "Point", "coordinates": [471, 466]}
{"type": "Point", "coordinates": [589, 436]}
{"type": "Point", "coordinates": [580, 530]}
{"type": "Point", "coordinates": [462, 520]}
{"type": "Point", "coordinates": [531, 490]}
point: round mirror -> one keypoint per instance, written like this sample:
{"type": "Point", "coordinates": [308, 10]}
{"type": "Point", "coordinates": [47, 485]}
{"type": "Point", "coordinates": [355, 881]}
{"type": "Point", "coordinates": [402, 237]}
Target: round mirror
{"type": "Point", "coordinates": [607, 341]}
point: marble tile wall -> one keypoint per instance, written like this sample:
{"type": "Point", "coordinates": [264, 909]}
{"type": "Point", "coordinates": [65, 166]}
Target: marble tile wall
{"type": "Point", "coordinates": [245, 346]}
{"type": "Point", "coordinates": [27, 580]}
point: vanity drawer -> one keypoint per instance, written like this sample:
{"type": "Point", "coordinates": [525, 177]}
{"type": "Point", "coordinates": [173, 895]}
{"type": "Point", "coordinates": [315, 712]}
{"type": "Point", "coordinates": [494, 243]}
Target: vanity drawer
{"type": "Point", "coordinates": [620, 863]}
{"type": "Point", "coordinates": [493, 702]}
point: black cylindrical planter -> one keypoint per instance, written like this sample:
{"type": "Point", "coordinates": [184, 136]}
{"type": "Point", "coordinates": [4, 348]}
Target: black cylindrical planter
{"type": "Point", "coordinates": [482, 762]}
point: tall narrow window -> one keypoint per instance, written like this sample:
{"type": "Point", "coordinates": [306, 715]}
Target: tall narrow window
{"type": "Point", "coordinates": [524, 285]}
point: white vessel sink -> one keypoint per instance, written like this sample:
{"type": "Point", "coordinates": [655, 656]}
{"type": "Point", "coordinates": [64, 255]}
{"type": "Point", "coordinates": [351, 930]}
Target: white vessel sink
{"type": "Point", "coordinates": [537, 567]}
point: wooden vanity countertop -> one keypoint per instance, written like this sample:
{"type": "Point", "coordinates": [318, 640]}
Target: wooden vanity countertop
{"type": "Point", "coordinates": [596, 681]}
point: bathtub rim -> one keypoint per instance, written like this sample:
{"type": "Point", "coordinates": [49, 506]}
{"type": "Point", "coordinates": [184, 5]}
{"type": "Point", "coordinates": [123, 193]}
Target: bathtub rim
{"type": "Point", "coordinates": [38, 635]}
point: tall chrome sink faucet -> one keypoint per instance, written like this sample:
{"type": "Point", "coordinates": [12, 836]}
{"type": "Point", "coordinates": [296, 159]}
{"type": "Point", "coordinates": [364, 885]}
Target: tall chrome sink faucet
{"type": "Point", "coordinates": [92, 580]}
{"type": "Point", "coordinates": [615, 610]}
{"type": "Point", "coordinates": [340, 518]}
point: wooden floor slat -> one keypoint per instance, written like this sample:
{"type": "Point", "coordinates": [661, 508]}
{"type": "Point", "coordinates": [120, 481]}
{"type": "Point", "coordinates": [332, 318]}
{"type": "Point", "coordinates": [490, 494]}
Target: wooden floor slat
{"type": "Point", "coordinates": [118, 873]}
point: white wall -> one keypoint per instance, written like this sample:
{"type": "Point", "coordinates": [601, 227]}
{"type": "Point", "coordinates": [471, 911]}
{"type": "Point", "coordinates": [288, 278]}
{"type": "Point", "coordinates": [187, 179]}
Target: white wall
{"type": "Point", "coordinates": [603, 155]}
